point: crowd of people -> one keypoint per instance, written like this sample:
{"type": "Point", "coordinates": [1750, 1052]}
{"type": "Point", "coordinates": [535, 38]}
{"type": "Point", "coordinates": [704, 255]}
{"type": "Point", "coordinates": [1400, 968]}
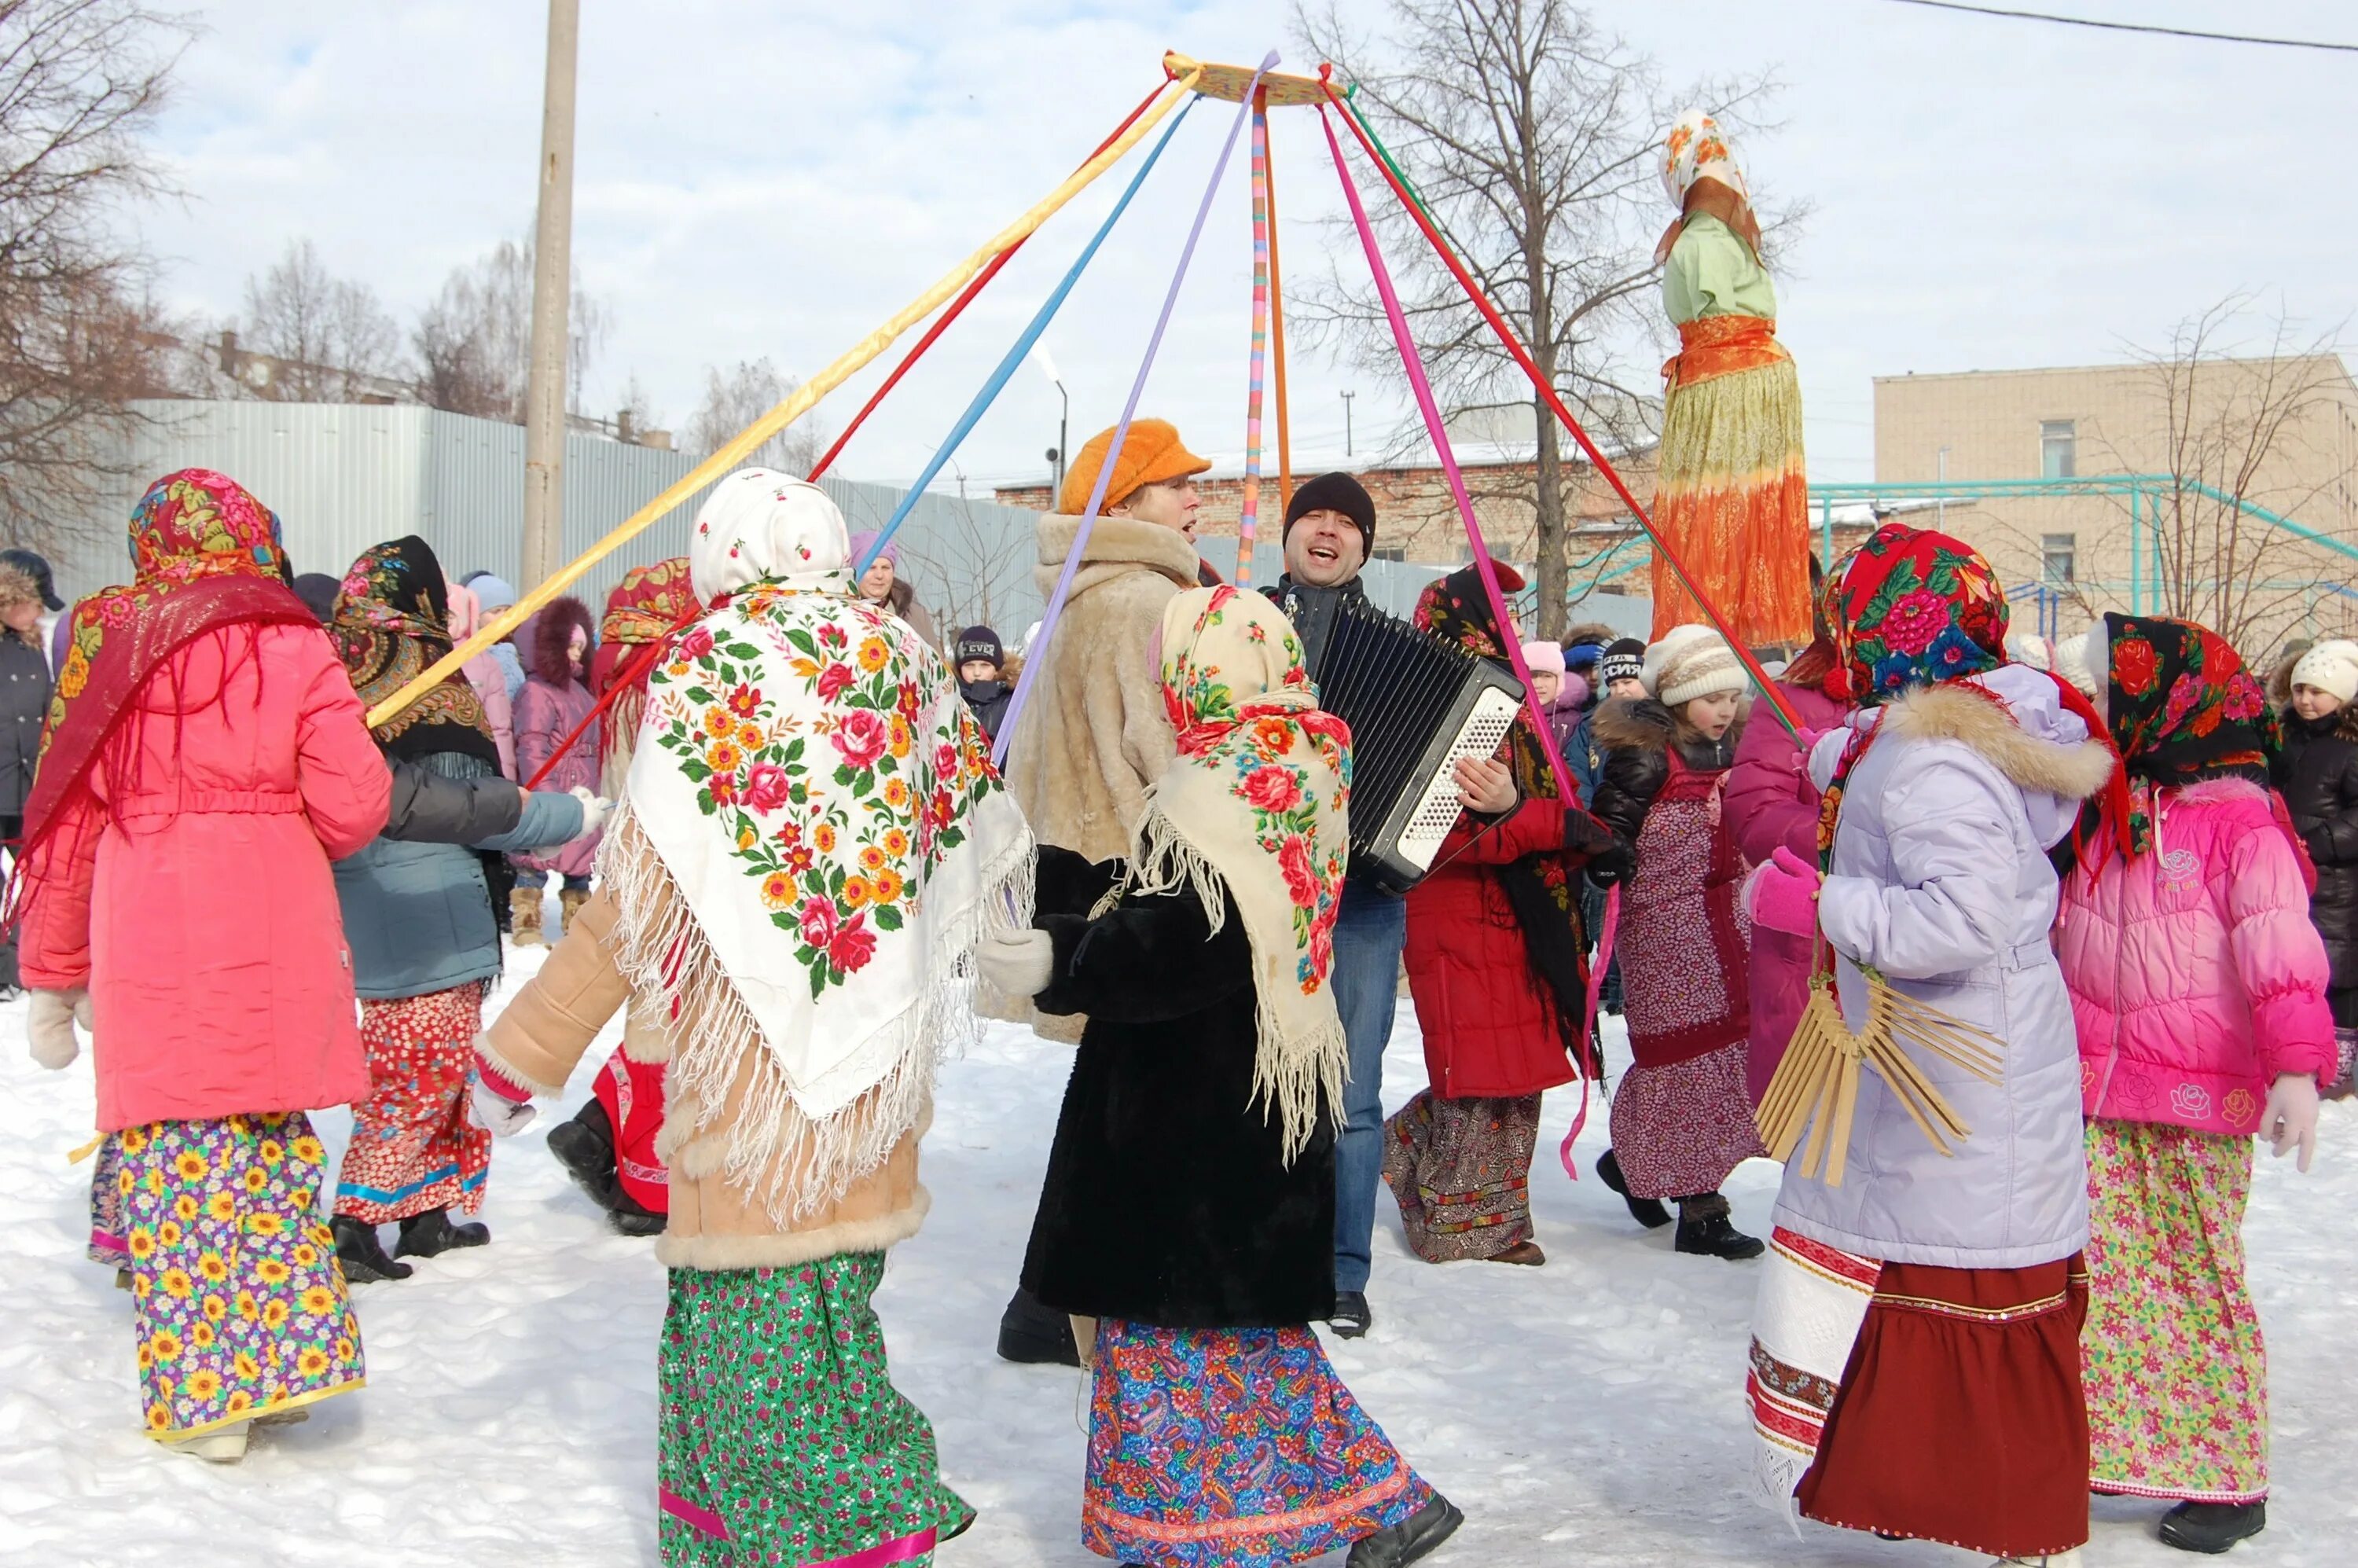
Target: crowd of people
{"type": "Point", "coordinates": [2123, 870]}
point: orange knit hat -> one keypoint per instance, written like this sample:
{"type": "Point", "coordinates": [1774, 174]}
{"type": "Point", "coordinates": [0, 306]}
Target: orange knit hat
{"type": "Point", "coordinates": [1151, 453]}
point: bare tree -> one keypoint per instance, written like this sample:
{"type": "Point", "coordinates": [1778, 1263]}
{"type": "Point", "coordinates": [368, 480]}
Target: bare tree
{"type": "Point", "coordinates": [80, 81]}
{"type": "Point", "coordinates": [327, 338]}
{"type": "Point", "coordinates": [1531, 135]}
{"type": "Point", "coordinates": [637, 413]}
{"type": "Point", "coordinates": [2244, 427]}
{"type": "Point", "coordinates": [735, 397]}
{"type": "Point", "coordinates": [474, 340]}
{"type": "Point", "coordinates": [972, 573]}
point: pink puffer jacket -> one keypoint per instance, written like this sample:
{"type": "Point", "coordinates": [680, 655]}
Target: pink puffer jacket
{"type": "Point", "coordinates": [2195, 975]}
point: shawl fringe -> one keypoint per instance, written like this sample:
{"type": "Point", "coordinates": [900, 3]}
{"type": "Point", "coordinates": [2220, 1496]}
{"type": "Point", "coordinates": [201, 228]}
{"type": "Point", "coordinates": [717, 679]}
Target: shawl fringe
{"type": "Point", "coordinates": [791, 1163]}
{"type": "Point", "coordinates": [1289, 1076]}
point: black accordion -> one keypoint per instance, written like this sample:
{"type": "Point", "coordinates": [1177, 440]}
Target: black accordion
{"type": "Point", "coordinates": [1415, 704]}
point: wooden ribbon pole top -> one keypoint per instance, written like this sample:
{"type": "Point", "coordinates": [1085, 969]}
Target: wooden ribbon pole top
{"type": "Point", "coordinates": [1186, 73]}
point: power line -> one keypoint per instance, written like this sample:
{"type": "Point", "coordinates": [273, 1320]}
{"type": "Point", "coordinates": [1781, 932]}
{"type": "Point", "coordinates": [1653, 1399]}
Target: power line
{"type": "Point", "coordinates": [2130, 26]}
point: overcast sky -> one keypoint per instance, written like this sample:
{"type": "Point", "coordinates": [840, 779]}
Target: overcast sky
{"type": "Point", "coordinates": [776, 178]}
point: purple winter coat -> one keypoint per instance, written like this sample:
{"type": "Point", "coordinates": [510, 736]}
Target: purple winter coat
{"type": "Point", "coordinates": [555, 699]}
{"type": "Point", "coordinates": [1770, 801]}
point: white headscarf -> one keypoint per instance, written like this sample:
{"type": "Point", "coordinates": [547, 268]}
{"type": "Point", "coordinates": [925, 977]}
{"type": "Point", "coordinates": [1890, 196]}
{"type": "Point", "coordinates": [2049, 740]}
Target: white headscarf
{"type": "Point", "coordinates": [1697, 149]}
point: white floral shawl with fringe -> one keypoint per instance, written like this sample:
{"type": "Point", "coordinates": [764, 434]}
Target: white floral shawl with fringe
{"type": "Point", "coordinates": [828, 843]}
{"type": "Point", "coordinates": [1255, 808]}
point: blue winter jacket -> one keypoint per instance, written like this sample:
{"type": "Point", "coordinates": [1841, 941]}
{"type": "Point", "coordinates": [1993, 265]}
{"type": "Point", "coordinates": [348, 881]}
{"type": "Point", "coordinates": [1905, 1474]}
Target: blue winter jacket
{"type": "Point", "coordinates": [418, 917]}
{"type": "Point", "coordinates": [1584, 757]}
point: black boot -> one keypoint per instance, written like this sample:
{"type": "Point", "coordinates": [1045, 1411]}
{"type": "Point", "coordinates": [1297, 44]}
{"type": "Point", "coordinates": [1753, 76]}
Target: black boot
{"type": "Point", "coordinates": [1397, 1546]}
{"type": "Point", "coordinates": [584, 1145]}
{"type": "Point", "coordinates": [1035, 1333]}
{"type": "Point", "coordinates": [630, 1217]}
{"type": "Point", "coordinates": [1648, 1212]}
{"type": "Point", "coordinates": [362, 1254]}
{"type": "Point", "coordinates": [1704, 1227]}
{"type": "Point", "coordinates": [1352, 1314]}
{"type": "Point", "coordinates": [429, 1234]}
{"type": "Point", "coordinates": [2213, 1527]}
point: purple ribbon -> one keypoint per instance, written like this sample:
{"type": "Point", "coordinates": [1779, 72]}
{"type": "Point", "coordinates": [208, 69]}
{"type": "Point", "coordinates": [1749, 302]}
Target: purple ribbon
{"type": "Point", "coordinates": [1056, 610]}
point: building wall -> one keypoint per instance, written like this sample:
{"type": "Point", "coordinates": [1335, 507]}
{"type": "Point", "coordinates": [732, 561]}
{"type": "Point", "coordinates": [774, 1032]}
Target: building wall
{"type": "Point", "coordinates": [1990, 424]}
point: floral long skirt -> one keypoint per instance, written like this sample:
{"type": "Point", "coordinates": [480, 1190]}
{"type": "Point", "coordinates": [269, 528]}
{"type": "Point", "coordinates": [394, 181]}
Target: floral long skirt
{"type": "Point", "coordinates": [782, 1437]}
{"type": "Point", "coordinates": [240, 1305]}
{"type": "Point", "coordinates": [1461, 1170]}
{"type": "Point", "coordinates": [1680, 1129]}
{"type": "Point", "coordinates": [414, 1147]}
{"type": "Point", "coordinates": [1216, 1447]}
{"type": "Point", "coordinates": [2176, 1372]}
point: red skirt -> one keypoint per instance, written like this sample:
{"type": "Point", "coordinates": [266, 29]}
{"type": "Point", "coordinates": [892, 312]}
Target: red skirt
{"type": "Point", "coordinates": [1961, 1418]}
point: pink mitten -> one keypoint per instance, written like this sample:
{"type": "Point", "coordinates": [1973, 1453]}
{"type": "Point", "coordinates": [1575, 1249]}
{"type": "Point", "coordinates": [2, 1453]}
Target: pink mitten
{"type": "Point", "coordinates": [1782, 895]}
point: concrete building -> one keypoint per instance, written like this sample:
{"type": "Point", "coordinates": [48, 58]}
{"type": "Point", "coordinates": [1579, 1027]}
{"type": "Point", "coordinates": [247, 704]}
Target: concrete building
{"type": "Point", "coordinates": [2037, 468]}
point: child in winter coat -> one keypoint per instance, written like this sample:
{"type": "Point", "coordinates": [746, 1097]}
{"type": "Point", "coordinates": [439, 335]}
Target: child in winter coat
{"type": "Point", "coordinates": [423, 930]}
{"type": "Point", "coordinates": [2317, 771]}
{"type": "Point", "coordinates": [556, 698]}
{"type": "Point", "coordinates": [1682, 1120]}
{"type": "Point", "coordinates": [1190, 1201]}
{"type": "Point", "coordinates": [207, 761]}
{"type": "Point", "coordinates": [1563, 696]}
{"type": "Point", "coordinates": [801, 1054]}
{"type": "Point", "coordinates": [484, 673]}
{"type": "Point", "coordinates": [981, 663]}
{"type": "Point", "coordinates": [2199, 989]}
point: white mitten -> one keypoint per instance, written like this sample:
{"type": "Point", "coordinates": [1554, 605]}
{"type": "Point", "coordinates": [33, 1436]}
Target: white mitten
{"type": "Point", "coordinates": [595, 809]}
{"type": "Point", "coordinates": [1017, 965]}
{"type": "Point", "coordinates": [50, 1027]}
{"type": "Point", "coordinates": [495, 1113]}
{"type": "Point", "coordinates": [2290, 1119]}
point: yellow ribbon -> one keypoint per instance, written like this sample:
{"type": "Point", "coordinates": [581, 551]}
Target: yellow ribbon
{"type": "Point", "coordinates": [87, 1149]}
{"type": "Point", "coordinates": [798, 403]}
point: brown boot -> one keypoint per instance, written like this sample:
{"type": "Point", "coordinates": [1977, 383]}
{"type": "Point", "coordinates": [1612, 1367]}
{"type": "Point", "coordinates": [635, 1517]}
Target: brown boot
{"type": "Point", "coordinates": [570, 900]}
{"type": "Point", "coordinates": [524, 907]}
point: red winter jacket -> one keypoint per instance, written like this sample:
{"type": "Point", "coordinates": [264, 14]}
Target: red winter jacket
{"type": "Point", "coordinates": [1489, 1019]}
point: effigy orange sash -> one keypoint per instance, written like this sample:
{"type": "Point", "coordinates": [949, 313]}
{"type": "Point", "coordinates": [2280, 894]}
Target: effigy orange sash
{"type": "Point", "coordinates": [1713, 346]}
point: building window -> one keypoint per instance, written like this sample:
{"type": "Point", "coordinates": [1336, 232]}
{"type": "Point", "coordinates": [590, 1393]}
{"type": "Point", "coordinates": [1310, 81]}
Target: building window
{"type": "Point", "coordinates": [1392, 552]}
{"type": "Point", "coordinates": [2059, 555]}
{"type": "Point", "coordinates": [2059, 443]}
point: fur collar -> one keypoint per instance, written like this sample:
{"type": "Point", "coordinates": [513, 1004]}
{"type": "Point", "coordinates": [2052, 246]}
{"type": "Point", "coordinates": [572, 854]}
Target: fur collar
{"type": "Point", "coordinates": [1642, 724]}
{"type": "Point", "coordinates": [549, 635]}
{"type": "Point", "coordinates": [2345, 728]}
{"type": "Point", "coordinates": [1117, 546]}
{"type": "Point", "coordinates": [1945, 712]}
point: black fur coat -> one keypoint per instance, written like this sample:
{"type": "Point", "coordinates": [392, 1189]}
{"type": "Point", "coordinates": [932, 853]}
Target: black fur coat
{"type": "Point", "coordinates": [1166, 1202]}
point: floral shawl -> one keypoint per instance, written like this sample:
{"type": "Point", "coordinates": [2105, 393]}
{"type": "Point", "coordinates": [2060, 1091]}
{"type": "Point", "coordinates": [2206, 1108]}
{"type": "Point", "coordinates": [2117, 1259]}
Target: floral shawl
{"type": "Point", "coordinates": [1915, 607]}
{"type": "Point", "coordinates": [2181, 707]}
{"type": "Point", "coordinates": [646, 606]}
{"type": "Point", "coordinates": [812, 843]}
{"type": "Point", "coordinates": [1254, 808]}
{"type": "Point", "coordinates": [392, 619]}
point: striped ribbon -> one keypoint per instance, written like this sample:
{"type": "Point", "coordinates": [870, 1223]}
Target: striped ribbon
{"type": "Point", "coordinates": [1248, 512]}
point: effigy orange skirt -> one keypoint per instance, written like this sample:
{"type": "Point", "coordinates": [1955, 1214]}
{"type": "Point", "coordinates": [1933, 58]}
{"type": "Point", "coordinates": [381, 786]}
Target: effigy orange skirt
{"type": "Point", "coordinates": [1732, 498]}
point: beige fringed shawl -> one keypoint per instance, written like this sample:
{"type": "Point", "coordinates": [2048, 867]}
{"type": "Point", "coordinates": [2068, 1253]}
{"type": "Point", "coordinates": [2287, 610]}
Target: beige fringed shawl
{"type": "Point", "coordinates": [814, 843]}
{"type": "Point", "coordinates": [1254, 808]}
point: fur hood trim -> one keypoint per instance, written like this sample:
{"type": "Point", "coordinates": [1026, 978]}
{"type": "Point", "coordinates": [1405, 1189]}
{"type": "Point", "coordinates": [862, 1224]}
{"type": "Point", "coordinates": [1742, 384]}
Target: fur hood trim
{"type": "Point", "coordinates": [1118, 546]}
{"type": "Point", "coordinates": [2076, 771]}
{"type": "Point", "coordinates": [551, 633]}
{"type": "Point", "coordinates": [1644, 724]}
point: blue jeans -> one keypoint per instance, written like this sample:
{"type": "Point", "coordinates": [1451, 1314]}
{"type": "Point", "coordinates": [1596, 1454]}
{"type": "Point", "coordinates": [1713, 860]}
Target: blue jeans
{"type": "Point", "coordinates": [1369, 933]}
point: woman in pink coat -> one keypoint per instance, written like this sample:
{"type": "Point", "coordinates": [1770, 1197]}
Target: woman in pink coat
{"type": "Point", "coordinates": [206, 760]}
{"type": "Point", "coordinates": [2198, 988]}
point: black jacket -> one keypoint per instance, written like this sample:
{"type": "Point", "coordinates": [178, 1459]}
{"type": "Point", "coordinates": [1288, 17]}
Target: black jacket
{"type": "Point", "coordinates": [434, 808]}
{"type": "Point", "coordinates": [1166, 1202]}
{"type": "Point", "coordinates": [24, 704]}
{"type": "Point", "coordinates": [2317, 773]}
{"type": "Point", "coordinates": [1636, 734]}
{"type": "Point", "coordinates": [989, 699]}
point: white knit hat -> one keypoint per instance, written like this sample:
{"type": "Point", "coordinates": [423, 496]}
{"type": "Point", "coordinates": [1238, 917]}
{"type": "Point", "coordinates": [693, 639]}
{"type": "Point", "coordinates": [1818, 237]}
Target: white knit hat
{"type": "Point", "coordinates": [2331, 666]}
{"type": "Point", "coordinates": [1691, 662]}
{"type": "Point", "coordinates": [2072, 663]}
{"type": "Point", "coordinates": [2030, 648]}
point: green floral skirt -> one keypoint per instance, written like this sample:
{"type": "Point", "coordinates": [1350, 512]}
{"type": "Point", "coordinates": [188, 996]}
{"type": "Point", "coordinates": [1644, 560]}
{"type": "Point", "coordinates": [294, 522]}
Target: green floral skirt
{"type": "Point", "coordinates": [782, 1439]}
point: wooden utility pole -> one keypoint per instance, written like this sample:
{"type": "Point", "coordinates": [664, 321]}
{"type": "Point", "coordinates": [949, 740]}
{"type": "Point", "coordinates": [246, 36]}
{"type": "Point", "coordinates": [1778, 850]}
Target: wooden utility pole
{"type": "Point", "coordinates": [544, 427]}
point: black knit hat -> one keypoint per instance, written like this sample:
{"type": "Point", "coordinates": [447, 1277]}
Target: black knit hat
{"type": "Point", "coordinates": [1624, 660]}
{"type": "Point", "coordinates": [36, 567]}
{"type": "Point", "coordinates": [1334, 492]}
{"type": "Point", "coordinates": [978, 642]}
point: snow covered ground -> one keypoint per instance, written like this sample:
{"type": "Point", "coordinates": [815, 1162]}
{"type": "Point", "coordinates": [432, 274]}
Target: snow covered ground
{"type": "Point", "coordinates": [1587, 1412]}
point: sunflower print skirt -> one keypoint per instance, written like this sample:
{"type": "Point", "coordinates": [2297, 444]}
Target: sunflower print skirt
{"type": "Point", "coordinates": [240, 1305]}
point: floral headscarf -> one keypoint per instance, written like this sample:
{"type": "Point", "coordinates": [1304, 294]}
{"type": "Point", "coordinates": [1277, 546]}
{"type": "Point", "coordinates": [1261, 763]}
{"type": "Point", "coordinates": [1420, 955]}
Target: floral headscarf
{"type": "Point", "coordinates": [2181, 707]}
{"type": "Point", "coordinates": [1695, 149]}
{"type": "Point", "coordinates": [649, 604]}
{"type": "Point", "coordinates": [1255, 809]}
{"type": "Point", "coordinates": [813, 840]}
{"type": "Point", "coordinates": [392, 619]}
{"type": "Point", "coordinates": [1914, 608]}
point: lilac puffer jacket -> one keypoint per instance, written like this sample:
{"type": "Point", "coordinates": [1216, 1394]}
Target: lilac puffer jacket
{"type": "Point", "coordinates": [2196, 976]}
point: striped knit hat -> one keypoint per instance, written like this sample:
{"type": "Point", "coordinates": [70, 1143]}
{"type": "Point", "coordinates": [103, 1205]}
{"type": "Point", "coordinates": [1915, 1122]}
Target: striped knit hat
{"type": "Point", "coordinates": [1691, 661]}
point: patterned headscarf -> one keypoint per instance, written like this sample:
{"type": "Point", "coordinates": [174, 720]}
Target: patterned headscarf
{"type": "Point", "coordinates": [392, 619]}
{"type": "Point", "coordinates": [649, 603]}
{"type": "Point", "coordinates": [191, 525]}
{"type": "Point", "coordinates": [1455, 610]}
{"type": "Point", "coordinates": [2181, 707]}
{"type": "Point", "coordinates": [812, 842]}
{"type": "Point", "coordinates": [1914, 608]}
{"type": "Point", "coordinates": [1697, 148]}
{"type": "Point", "coordinates": [1255, 809]}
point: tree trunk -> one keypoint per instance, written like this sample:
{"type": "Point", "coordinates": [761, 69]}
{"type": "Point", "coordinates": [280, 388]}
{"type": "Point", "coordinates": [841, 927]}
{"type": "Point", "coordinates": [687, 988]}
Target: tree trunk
{"type": "Point", "coordinates": [1554, 567]}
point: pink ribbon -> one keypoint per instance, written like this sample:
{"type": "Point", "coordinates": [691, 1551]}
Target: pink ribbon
{"type": "Point", "coordinates": [905, 1549]}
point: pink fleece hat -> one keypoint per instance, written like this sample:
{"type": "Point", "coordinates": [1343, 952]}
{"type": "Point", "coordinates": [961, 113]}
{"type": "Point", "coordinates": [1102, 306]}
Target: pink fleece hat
{"type": "Point", "coordinates": [1543, 655]}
